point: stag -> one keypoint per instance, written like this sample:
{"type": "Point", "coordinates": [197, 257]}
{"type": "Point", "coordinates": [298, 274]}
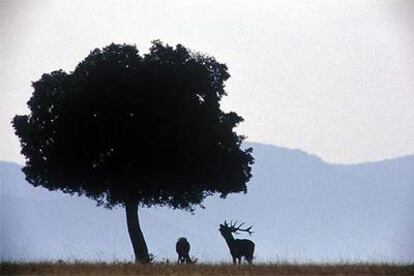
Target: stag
{"type": "Point", "coordinates": [238, 247]}
{"type": "Point", "coordinates": [183, 249]}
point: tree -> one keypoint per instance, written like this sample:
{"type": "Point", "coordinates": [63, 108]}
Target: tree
{"type": "Point", "coordinates": [135, 131]}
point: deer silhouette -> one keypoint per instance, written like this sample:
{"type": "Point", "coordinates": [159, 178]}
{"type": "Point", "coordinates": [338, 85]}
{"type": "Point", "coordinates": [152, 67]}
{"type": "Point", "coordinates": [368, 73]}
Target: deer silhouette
{"type": "Point", "coordinates": [238, 248]}
{"type": "Point", "coordinates": [183, 249]}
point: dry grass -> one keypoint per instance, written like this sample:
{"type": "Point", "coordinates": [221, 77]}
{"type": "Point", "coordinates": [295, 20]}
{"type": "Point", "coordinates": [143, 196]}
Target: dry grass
{"type": "Point", "coordinates": [79, 268]}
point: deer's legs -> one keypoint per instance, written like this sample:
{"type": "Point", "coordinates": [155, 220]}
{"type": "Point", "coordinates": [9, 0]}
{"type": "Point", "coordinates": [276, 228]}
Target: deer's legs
{"type": "Point", "coordinates": [180, 260]}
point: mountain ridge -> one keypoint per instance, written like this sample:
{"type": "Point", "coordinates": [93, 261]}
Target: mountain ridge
{"type": "Point", "coordinates": [296, 150]}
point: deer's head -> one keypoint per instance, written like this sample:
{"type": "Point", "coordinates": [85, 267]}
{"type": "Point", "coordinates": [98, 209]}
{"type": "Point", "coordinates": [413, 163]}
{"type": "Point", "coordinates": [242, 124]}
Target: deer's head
{"type": "Point", "coordinates": [227, 230]}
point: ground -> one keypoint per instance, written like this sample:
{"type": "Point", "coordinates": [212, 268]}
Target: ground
{"type": "Point", "coordinates": [81, 268]}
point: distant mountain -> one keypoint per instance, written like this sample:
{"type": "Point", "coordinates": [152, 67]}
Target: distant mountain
{"type": "Point", "coordinates": [302, 209]}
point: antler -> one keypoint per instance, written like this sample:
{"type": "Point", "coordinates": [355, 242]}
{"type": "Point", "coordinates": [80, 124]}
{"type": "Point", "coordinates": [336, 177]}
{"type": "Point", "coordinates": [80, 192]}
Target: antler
{"type": "Point", "coordinates": [248, 229]}
{"type": "Point", "coordinates": [233, 228]}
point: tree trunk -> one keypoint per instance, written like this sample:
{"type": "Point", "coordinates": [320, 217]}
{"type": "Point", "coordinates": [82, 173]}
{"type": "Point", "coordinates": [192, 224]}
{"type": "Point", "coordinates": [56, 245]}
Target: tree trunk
{"type": "Point", "coordinates": [135, 233]}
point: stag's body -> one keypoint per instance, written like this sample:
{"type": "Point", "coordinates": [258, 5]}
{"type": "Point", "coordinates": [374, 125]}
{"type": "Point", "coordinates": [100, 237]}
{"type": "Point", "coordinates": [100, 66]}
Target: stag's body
{"type": "Point", "coordinates": [183, 250]}
{"type": "Point", "coordinates": [238, 247]}
{"type": "Point", "coordinates": [241, 248]}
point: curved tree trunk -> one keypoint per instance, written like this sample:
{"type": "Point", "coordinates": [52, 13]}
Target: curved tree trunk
{"type": "Point", "coordinates": [135, 233]}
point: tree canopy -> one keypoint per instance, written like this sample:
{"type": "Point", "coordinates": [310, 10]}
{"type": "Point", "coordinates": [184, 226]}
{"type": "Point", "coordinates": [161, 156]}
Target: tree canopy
{"type": "Point", "coordinates": [129, 127]}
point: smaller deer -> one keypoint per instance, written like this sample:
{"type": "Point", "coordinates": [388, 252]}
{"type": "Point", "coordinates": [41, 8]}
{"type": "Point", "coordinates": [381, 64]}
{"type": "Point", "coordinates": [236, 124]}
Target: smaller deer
{"type": "Point", "coordinates": [183, 249]}
{"type": "Point", "coordinates": [238, 248]}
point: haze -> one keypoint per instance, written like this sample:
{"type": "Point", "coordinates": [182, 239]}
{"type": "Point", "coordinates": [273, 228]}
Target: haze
{"type": "Point", "coordinates": [334, 78]}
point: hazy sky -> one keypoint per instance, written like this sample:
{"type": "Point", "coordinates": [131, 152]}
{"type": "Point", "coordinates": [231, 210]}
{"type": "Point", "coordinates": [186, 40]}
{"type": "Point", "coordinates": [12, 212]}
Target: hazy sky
{"type": "Point", "coordinates": [334, 78]}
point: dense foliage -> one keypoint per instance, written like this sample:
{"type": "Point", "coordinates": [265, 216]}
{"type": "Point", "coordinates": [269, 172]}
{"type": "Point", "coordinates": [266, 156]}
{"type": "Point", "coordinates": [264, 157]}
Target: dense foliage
{"type": "Point", "coordinates": [125, 127]}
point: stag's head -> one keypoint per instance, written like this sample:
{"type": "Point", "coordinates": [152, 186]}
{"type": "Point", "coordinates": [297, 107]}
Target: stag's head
{"type": "Point", "coordinates": [227, 229]}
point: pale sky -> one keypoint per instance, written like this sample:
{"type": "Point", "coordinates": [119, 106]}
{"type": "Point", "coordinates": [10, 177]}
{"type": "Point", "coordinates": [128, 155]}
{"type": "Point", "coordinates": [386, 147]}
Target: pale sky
{"type": "Point", "coordinates": [333, 78]}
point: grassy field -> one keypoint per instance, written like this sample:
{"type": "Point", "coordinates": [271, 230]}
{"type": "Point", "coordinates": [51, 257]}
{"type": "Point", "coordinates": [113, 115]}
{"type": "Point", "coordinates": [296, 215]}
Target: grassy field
{"type": "Point", "coordinates": [13, 268]}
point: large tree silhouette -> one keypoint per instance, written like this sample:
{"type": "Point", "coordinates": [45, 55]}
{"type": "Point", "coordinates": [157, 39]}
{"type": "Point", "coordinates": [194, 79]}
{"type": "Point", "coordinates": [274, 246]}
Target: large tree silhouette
{"type": "Point", "coordinates": [131, 130]}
